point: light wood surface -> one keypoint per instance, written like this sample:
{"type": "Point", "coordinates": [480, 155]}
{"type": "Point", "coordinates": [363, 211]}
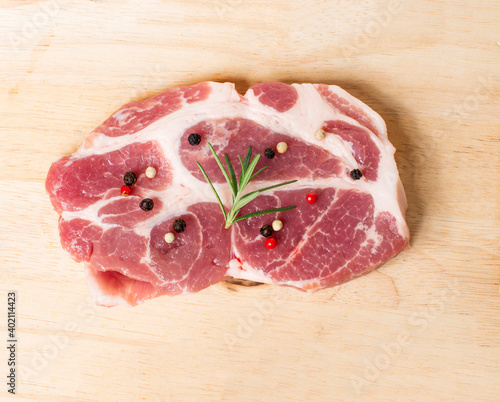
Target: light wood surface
{"type": "Point", "coordinates": [426, 326]}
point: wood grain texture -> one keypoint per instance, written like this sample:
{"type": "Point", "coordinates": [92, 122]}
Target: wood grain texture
{"type": "Point", "coordinates": [426, 326]}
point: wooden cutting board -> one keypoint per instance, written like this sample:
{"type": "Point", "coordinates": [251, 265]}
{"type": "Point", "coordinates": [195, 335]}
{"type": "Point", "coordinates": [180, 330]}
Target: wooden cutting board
{"type": "Point", "coordinates": [426, 326]}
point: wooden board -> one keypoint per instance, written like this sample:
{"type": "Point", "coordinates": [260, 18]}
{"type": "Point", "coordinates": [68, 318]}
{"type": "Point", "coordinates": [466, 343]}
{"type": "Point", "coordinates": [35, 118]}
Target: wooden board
{"type": "Point", "coordinates": [426, 326]}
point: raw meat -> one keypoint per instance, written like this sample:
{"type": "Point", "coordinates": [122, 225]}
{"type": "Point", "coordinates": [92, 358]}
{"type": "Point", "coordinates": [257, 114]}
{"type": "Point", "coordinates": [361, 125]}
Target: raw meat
{"type": "Point", "coordinates": [354, 227]}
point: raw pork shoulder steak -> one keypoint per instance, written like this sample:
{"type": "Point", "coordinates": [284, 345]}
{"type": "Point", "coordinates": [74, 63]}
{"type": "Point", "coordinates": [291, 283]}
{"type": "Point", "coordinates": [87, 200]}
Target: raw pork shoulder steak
{"type": "Point", "coordinates": [354, 227]}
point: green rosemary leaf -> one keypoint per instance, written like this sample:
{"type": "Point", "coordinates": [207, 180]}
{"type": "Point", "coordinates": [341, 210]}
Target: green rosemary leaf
{"type": "Point", "coordinates": [263, 212]}
{"type": "Point", "coordinates": [260, 171]}
{"type": "Point", "coordinates": [245, 200]}
{"type": "Point", "coordinates": [276, 185]}
{"type": "Point", "coordinates": [233, 183]}
{"type": "Point", "coordinates": [247, 158]}
{"type": "Point", "coordinates": [248, 173]}
{"type": "Point", "coordinates": [254, 194]}
{"type": "Point", "coordinates": [215, 192]}
{"type": "Point", "coordinates": [219, 162]}
{"type": "Point", "coordinates": [242, 169]}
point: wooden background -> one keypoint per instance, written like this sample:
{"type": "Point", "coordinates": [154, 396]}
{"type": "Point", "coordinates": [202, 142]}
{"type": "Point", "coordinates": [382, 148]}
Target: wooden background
{"type": "Point", "coordinates": [426, 326]}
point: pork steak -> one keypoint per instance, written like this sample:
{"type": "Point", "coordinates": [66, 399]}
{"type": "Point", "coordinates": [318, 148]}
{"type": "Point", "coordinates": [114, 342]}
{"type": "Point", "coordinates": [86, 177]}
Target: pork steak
{"type": "Point", "coordinates": [354, 227]}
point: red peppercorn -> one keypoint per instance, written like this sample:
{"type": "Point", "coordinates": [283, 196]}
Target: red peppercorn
{"type": "Point", "coordinates": [125, 190]}
{"type": "Point", "coordinates": [271, 243]}
{"type": "Point", "coordinates": [311, 198]}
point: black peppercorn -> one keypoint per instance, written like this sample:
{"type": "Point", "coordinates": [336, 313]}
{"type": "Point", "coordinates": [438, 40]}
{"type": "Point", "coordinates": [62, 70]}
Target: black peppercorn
{"type": "Point", "coordinates": [147, 204]}
{"type": "Point", "coordinates": [130, 178]}
{"type": "Point", "coordinates": [266, 230]}
{"type": "Point", "coordinates": [356, 174]}
{"type": "Point", "coordinates": [194, 139]}
{"type": "Point", "coordinates": [179, 225]}
{"type": "Point", "coordinates": [269, 153]}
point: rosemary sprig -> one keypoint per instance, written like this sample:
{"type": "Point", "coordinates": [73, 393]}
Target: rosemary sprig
{"type": "Point", "coordinates": [238, 186]}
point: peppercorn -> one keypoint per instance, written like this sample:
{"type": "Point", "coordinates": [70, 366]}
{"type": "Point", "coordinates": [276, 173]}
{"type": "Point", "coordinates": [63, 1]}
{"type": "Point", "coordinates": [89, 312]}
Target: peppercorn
{"type": "Point", "coordinates": [169, 237]}
{"type": "Point", "coordinates": [311, 198]}
{"type": "Point", "coordinates": [130, 178]}
{"type": "Point", "coordinates": [356, 174]}
{"type": "Point", "coordinates": [277, 225]}
{"type": "Point", "coordinates": [125, 190]}
{"type": "Point", "coordinates": [271, 243]}
{"type": "Point", "coordinates": [147, 204]}
{"type": "Point", "coordinates": [320, 134]}
{"type": "Point", "coordinates": [269, 153]}
{"type": "Point", "coordinates": [179, 225]}
{"type": "Point", "coordinates": [150, 172]}
{"type": "Point", "coordinates": [194, 139]}
{"type": "Point", "coordinates": [281, 147]}
{"type": "Point", "coordinates": [266, 230]}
